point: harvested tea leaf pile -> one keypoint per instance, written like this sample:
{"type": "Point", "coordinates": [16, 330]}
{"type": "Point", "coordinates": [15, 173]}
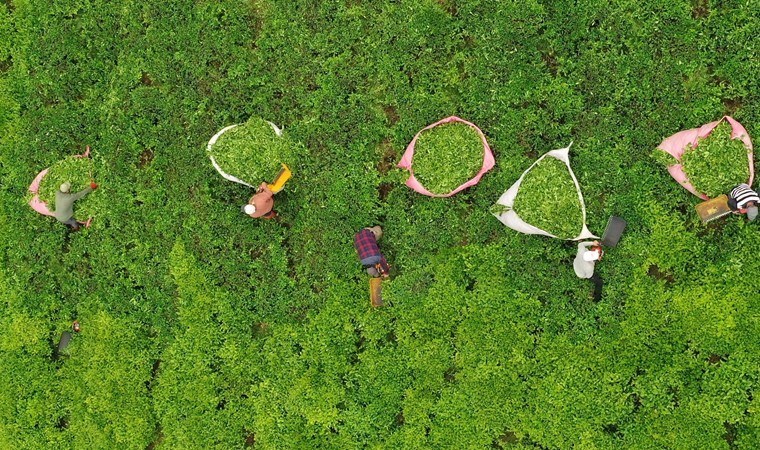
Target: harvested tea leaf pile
{"type": "Point", "coordinates": [548, 199]}
{"type": "Point", "coordinates": [252, 151]}
{"type": "Point", "coordinates": [447, 156]}
{"type": "Point", "coordinates": [73, 170]}
{"type": "Point", "coordinates": [717, 163]}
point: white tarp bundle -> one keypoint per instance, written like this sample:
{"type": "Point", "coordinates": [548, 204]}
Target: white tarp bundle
{"type": "Point", "coordinates": [510, 218]}
{"type": "Point", "coordinates": [213, 140]}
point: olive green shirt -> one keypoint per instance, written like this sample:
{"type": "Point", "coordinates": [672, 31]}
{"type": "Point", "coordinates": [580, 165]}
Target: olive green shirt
{"type": "Point", "coordinates": [64, 204]}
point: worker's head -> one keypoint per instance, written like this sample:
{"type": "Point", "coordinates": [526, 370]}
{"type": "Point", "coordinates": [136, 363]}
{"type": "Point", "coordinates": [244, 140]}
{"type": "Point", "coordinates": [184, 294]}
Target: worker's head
{"type": "Point", "coordinates": [752, 212]}
{"type": "Point", "coordinates": [65, 187]}
{"type": "Point", "coordinates": [373, 272]}
{"type": "Point", "coordinates": [592, 255]}
{"type": "Point", "coordinates": [248, 209]}
{"type": "Point", "coordinates": [377, 231]}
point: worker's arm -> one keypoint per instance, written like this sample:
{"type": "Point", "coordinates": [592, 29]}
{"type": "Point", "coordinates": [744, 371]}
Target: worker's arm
{"type": "Point", "coordinates": [81, 193]}
{"type": "Point", "coordinates": [583, 246]}
{"type": "Point", "coordinates": [383, 267]}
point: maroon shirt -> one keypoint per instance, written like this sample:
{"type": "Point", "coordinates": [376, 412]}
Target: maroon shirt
{"type": "Point", "coordinates": [366, 246]}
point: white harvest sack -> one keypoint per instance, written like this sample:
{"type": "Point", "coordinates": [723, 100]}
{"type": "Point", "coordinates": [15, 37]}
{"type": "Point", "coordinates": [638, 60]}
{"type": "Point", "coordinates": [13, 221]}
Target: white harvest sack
{"type": "Point", "coordinates": [213, 140]}
{"type": "Point", "coordinates": [510, 218]}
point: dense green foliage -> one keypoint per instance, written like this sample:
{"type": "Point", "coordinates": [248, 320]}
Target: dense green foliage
{"type": "Point", "coordinates": [717, 163]}
{"type": "Point", "coordinates": [202, 328]}
{"type": "Point", "coordinates": [447, 156]}
{"type": "Point", "coordinates": [252, 151]}
{"type": "Point", "coordinates": [548, 199]}
{"type": "Point", "coordinates": [76, 171]}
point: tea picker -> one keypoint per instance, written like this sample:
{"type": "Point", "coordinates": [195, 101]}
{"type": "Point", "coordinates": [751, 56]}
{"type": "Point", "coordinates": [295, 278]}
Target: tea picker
{"type": "Point", "coordinates": [373, 261]}
{"type": "Point", "coordinates": [261, 204]}
{"type": "Point", "coordinates": [743, 200]}
{"type": "Point", "coordinates": [589, 252]}
{"type": "Point", "coordinates": [63, 200]}
{"type": "Point", "coordinates": [64, 204]}
{"type": "Point", "coordinates": [65, 340]}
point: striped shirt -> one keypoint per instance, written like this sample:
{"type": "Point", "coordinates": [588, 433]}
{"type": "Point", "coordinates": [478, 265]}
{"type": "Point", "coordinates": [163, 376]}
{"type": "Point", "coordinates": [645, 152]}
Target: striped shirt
{"type": "Point", "coordinates": [740, 196]}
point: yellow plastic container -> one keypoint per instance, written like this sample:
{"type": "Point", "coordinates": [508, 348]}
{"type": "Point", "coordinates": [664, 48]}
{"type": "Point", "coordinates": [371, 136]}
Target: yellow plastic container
{"type": "Point", "coordinates": [279, 181]}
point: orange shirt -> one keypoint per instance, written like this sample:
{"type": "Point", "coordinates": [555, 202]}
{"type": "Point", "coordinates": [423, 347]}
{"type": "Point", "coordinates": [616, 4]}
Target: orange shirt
{"type": "Point", "coordinates": [263, 200]}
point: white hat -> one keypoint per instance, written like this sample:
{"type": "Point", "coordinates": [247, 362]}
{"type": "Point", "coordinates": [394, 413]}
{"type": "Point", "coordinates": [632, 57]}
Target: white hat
{"type": "Point", "coordinates": [591, 255]}
{"type": "Point", "coordinates": [752, 212]}
{"type": "Point", "coordinates": [65, 187]}
{"type": "Point", "coordinates": [249, 209]}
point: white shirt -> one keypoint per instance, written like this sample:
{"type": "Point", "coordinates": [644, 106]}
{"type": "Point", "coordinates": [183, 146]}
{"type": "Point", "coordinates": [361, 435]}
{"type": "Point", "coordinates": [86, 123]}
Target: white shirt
{"type": "Point", "coordinates": [584, 269]}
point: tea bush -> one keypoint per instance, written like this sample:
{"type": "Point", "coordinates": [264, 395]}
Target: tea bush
{"type": "Point", "coordinates": [202, 328]}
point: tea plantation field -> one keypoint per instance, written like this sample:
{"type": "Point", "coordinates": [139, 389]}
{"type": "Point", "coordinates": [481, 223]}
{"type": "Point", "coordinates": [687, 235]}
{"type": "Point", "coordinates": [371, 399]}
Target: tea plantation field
{"type": "Point", "coordinates": [202, 328]}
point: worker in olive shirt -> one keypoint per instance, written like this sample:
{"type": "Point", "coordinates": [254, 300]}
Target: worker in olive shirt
{"type": "Point", "coordinates": [64, 204]}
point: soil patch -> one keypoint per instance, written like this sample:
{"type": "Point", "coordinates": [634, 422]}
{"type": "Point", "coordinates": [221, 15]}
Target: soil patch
{"type": "Point", "coordinates": [657, 274]}
{"type": "Point", "coordinates": [146, 79]}
{"type": "Point", "coordinates": [508, 438]}
{"type": "Point", "coordinates": [451, 374]}
{"type": "Point", "coordinates": [391, 114]}
{"type": "Point", "coordinates": [63, 423]}
{"type": "Point", "coordinates": [449, 6]}
{"type": "Point", "coordinates": [157, 441]}
{"type": "Point", "coordinates": [550, 60]}
{"type": "Point", "coordinates": [388, 158]}
{"type": "Point", "coordinates": [146, 157]}
{"type": "Point", "coordinates": [700, 9]}
{"type": "Point", "coordinates": [732, 105]}
{"type": "Point", "coordinates": [730, 435]}
{"type": "Point", "coordinates": [260, 329]}
{"type": "Point", "coordinates": [384, 189]}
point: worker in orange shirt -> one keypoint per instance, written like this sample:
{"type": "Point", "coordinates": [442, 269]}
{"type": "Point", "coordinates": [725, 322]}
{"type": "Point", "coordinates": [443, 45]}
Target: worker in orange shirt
{"type": "Point", "coordinates": [261, 204]}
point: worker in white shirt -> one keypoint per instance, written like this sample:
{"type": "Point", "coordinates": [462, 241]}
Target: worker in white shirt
{"type": "Point", "coordinates": [589, 253]}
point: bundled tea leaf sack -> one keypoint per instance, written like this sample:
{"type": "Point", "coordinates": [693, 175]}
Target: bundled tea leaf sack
{"type": "Point", "coordinates": [717, 163]}
{"type": "Point", "coordinates": [545, 200]}
{"type": "Point", "coordinates": [548, 199]}
{"type": "Point", "coordinates": [710, 160]}
{"type": "Point", "coordinates": [447, 156]}
{"type": "Point", "coordinates": [250, 153]}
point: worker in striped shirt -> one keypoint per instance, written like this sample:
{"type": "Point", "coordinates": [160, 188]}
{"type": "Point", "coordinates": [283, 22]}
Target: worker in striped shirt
{"type": "Point", "coordinates": [365, 243]}
{"type": "Point", "coordinates": [743, 200]}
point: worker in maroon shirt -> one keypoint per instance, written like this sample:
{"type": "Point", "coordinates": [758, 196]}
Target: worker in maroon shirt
{"type": "Point", "coordinates": [365, 243]}
{"type": "Point", "coordinates": [261, 204]}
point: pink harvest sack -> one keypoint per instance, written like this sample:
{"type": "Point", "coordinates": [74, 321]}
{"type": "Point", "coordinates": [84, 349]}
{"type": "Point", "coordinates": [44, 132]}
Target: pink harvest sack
{"type": "Point", "coordinates": [676, 144]}
{"type": "Point", "coordinates": [36, 203]}
{"type": "Point", "coordinates": [406, 160]}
